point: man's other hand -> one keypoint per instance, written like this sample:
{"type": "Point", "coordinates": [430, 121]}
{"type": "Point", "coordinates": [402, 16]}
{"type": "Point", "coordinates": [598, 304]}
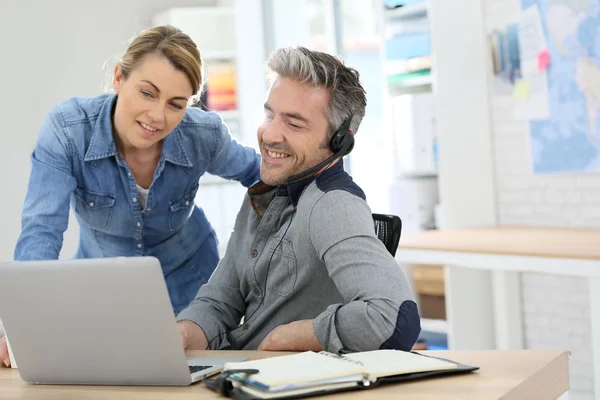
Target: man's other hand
{"type": "Point", "coordinates": [295, 336]}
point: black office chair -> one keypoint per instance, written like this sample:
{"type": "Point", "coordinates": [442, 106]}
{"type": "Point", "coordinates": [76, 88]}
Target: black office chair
{"type": "Point", "coordinates": [388, 229]}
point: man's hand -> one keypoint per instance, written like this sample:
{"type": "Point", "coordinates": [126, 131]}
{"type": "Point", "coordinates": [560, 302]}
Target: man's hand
{"type": "Point", "coordinates": [192, 336]}
{"type": "Point", "coordinates": [295, 336]}
{"type": "Point", "coordinates": [4, 359]}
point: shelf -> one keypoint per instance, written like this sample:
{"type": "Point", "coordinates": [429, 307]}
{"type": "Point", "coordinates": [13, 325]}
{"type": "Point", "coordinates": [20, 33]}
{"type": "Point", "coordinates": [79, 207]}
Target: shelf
{"type": "Point", "coordinates": [196, 12]}
{"type": "Point", "coordinates": [200, 23]}
{"type": "Point", "coordinates": [218, 55]}
{"type": "Point", "coordinates": [415, 65]}
{"type": "Point", "coordinates": [434, 325]}
{"type": "Point", "coordinates": [417, 174]}
{"type": "Point", "coordinates": [407, 12]}
{"type": "Point", "coordinates": [410, 85]}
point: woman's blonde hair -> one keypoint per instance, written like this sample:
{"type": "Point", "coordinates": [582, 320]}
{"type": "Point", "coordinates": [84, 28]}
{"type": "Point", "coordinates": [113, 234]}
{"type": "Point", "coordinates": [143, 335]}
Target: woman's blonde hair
{"type": "Point", "coordinates": [171, 43]}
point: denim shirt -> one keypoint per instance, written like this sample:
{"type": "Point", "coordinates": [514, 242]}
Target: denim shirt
{"type": "Point", "coordinates": [75, 162]}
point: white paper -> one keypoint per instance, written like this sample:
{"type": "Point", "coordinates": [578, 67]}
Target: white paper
{"type": "Point", "coordinates": [536, 105]}
{"type": "Point", "coordinates": [531, 35]}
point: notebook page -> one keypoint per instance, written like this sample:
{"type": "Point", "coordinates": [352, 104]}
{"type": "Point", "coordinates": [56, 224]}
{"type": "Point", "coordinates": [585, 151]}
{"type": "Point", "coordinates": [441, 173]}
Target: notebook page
{"type": "Point", "coordinates": [294, 392]}
{"type": "Point", "coordinates": [380, 363]}
{"type": "Point", "coordinates": [296, 368]}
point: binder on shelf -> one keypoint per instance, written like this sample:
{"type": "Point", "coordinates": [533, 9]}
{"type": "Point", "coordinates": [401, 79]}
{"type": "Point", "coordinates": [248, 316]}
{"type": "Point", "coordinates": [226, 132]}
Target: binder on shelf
{"type": "Point", "coordinates": [410, 45]}
{"type": "Point", "coordinates": [401, 84]}
{"type": "Point", "coordinates": [221, 86]}
{"type": "Point", "coordinates": [408, 49]}
{"type": "Point", "coordinates": [420, 65]}
{"type": "Point", "coordinates": [407, 11]}
{"type": "Point", "coordinates": [404, 77]}
{"type": "Point", "coordinates": [401, 3]}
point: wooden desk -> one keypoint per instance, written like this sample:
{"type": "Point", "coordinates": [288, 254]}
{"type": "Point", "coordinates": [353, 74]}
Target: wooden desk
{"type": "Point", "coordinates": [507, 251]}
{"type": "Point", "coordinates": [509, 374]}
{"type": "Point", "coordinates": [558, 243]}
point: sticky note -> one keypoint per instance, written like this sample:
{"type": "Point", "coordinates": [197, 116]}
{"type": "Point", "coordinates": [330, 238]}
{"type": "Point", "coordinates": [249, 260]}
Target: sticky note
{"type": "Point", "coordinates": [543, 60]}
{"type": "Point", "coordinates": [522, 90]}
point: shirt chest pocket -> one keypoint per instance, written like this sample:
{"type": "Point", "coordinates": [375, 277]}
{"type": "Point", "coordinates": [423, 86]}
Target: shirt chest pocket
{"type": "Point", "coordinates": [282, 268]}
{"type": "Point", "coordinates": [93, 207]}
{"type": "Point", "coordinates": [181, 208]}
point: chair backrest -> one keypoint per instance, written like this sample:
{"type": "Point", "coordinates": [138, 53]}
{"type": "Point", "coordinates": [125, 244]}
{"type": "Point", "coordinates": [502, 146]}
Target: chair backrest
{"type": "Point", "coordinates": [388, 229]}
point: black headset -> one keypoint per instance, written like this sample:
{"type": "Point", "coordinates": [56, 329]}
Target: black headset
{"type": "Point", "coordinates": [341, 144]}
{"type": "Point", "coordinates": [342, 140]}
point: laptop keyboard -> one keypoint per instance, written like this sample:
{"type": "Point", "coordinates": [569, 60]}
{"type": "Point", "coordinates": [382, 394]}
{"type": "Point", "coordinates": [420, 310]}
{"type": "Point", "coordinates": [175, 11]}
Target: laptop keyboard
{"type": "Point", "coordinates": [196, 368]}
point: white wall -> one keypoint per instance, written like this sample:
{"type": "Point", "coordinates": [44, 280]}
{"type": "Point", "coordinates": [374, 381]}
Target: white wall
{"type": "Point", "coordinates": [555, 309]}
{"type": "Point", "coordinates": [53, 50]}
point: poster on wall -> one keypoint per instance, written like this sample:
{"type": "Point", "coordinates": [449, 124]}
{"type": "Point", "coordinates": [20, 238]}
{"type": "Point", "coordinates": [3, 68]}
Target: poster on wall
{"type": "Point", "coordinates": [567, 139]}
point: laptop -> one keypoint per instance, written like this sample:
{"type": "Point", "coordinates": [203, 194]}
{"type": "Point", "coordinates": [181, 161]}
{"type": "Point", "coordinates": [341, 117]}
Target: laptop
{"type": "Point", "coordinates": [105, 321]}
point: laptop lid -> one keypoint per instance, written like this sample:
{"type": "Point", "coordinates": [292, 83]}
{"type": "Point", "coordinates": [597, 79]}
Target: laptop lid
{"type": "Point", "coordinates": [92, 321]}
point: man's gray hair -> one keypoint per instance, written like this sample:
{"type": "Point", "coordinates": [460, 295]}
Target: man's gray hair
{"type": "Point", "coordinates": [317, 69]}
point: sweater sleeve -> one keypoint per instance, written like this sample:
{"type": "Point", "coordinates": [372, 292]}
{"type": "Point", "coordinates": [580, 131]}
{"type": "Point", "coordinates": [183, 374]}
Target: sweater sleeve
{"type": "Point", "coordinates": [378, 311]}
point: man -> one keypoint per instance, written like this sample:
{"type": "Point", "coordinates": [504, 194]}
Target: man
{"type": "Point", "coordinates": [304, 269]}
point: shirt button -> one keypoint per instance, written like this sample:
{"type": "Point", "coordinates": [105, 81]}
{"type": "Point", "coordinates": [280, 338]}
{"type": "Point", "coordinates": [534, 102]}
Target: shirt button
{"type": "Point", "coordinates": [187, 202]}
{"type": "Point", "coordinates": [268, 217]}
{"type": "Point", "coordinates": [245, 327]}
{"type": "Point", "coordinates": [134, 199]}
{"type": "Point", "coordinates": [92, 204]}
{"type": "Point", "coordinates": [148, 209]}
{"type": "Point", "coordinates": [139, 245]}
{"type": "Point", "coordinates": [253, 253]}
{"type": "Point", "coordinates": [139, 224]}
{"type": "Point", "coordinates": [256, 291]}
{"type": "Point", "coordinates": [129, 174]}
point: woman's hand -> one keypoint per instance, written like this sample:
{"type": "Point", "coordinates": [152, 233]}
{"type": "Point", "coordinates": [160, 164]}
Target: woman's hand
{"type": "Point", "coordinates": [4, 358]}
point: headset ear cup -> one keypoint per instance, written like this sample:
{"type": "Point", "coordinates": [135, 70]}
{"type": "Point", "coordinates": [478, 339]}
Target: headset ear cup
{"type": "Point", "coordinates": [350, 142]}
{"type": "Point", "coordinates": [334, 143]}
{"type": "Point", "coordinates": [342, 141]}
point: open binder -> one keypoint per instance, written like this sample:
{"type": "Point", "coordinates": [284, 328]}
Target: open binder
{"type": "Point", "coordinates": [311, 374]}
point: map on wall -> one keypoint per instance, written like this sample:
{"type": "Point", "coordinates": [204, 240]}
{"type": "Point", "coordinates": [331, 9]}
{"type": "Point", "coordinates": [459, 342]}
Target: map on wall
{"type": "Point", "coordinates": [569, 140]}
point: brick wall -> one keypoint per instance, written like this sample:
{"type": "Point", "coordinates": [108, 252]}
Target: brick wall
{"type": "Point", "coordinates": [550, 320]}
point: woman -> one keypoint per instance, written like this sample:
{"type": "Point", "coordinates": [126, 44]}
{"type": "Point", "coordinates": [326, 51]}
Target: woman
{"type": "Point", "coordinates": [129, 163]}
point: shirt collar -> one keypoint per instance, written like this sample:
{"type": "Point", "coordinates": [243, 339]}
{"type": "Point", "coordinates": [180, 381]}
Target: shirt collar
{"type": "Point", "coordinates": [261, 194]}
{"type": "Point", "coordinates": [102, 143]}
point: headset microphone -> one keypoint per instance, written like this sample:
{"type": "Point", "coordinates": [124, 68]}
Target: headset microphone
{"type": "Point", "coordinates": [341, 143]}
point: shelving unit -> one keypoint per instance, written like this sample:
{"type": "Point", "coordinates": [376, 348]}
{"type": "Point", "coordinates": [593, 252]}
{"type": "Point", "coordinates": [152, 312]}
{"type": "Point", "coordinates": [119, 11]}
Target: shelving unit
{"type": "Point", "coordinates": [439, 326]}
{"type": "Point", "coordinates": [218, 55]}
{"type": "Point", "coordinates": [417, 174]}
{"type": "Point", "coordinates": [407, 12]}
{"type": "Point", "coordinates": [218, 51]}
{"type": "Point", "coordinates": [227, 34]}
{"type": "Point", "coordinates": [201, 24]}
{"type": "Point", "coordinates": [411, 85]}
{"type": "Point", "coordinates": [409, 76]}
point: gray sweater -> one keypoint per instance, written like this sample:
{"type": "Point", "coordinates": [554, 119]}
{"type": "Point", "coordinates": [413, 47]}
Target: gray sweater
{"type": "Point", "coordinates": [307, 251]}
